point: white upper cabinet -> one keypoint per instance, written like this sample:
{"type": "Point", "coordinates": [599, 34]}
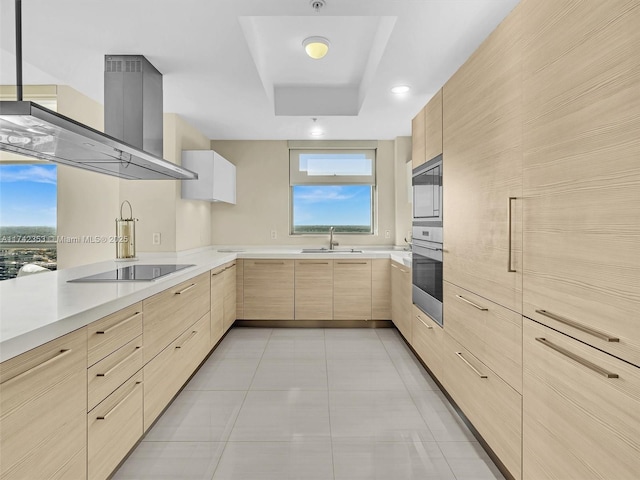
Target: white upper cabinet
{"type": "Point", "coordinates": [216, 177]}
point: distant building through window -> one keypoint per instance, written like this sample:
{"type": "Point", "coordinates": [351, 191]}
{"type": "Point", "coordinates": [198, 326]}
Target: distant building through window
{"type": "Point", "coordinates": [332, 188]}
{"type": "Point", "coordinates": [28, 216]}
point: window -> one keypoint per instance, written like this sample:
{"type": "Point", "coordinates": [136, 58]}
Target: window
{"type": "Point", "coordinates": [332, 188]}
{"type": "Point", "coordinates": [28, 212]}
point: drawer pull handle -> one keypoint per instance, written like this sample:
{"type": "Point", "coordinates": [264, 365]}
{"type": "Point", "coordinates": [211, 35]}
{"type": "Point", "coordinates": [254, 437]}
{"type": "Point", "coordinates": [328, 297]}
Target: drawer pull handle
{"type": "Point", "coordinates": [117, 405]}
{"type": "Point", "coordinates": [193, 334]}
{"type": "Point", "coordinates": [429, 327]}
{"type": "Point", "coordinates": [576, 325]}
{"type": "Point", "coordinates": [115, 367]}
{"type": "Point", "coordinates": [394, 266]}
{"type": "Point", "coordinates": [509, 263]}
{"type": "Point", "coordinates": [57, 357]}
{"type": "Point", "coordinates": [119, 324]}
{"type": "Point", "coordinates": [482, 309]}
{"type": "Point", "coordinates": [218, 273]}
{"type": "Point", "coordinates": [351, 263]}
{"type": "Point", "coordinates": [267, 262]}
{"type": "Point", "coordinates": [184, 290]}
{"type": "Point", "coordinates": [313, 263]}
{"type": "Point", "coordinates": [459, 354]}
{"type": "Point", "coordinates": [578, 359]}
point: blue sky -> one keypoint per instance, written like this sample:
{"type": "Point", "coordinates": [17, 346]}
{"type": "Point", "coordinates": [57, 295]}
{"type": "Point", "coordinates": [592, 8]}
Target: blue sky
{"type": "Point", "coordinates": [28, 195]}
{"type": "Point", "coordinates": [332, 205]}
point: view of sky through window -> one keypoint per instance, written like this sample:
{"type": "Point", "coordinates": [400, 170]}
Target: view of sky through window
{"type": "Point", "coordinates": [318, 207]}
{"type": "Point", "coordinates": [28, 195]}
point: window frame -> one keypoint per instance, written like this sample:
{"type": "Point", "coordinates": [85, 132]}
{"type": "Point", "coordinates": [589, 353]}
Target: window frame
{"type": "Point", "coordinates": [298, 178]}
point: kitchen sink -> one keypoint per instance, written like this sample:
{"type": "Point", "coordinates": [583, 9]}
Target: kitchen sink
{"type": "Point", "coordinates": [326, 250]}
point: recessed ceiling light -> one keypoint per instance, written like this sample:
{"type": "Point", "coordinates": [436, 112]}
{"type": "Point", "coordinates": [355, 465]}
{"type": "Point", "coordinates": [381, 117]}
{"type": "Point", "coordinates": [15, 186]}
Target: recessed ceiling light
{"type": "Point", "coordinates": [400, 89]}
{"type": "Point", "coordinates": [316, 47]}
{"type": "Point", "coordinates": [317, 133]}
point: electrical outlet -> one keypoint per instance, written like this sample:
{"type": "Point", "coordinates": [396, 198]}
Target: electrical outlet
{"type": "Point", "coordinates": [274, 234]}
{"type": "Point", "coordinates": [156, 238]}
{"type": "Point", "coordinates": [387, 234]}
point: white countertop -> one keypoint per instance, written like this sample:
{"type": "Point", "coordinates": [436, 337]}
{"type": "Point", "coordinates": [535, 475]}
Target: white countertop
{"type": "Point", "coordinates": [36, 309]}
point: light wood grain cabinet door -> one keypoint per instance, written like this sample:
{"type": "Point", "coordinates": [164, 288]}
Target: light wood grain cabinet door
{"type": "Point", "coordinates": [314, 289]}
{"type": "Point", "coordinates": [433, 126]}
{"type": "Point", "coordinates": [418, 147]}
{"type": "Point", "coordinates": [426, 339]}
{"type": "Point", "coordinates": [581, 410]}
{"type": "Point", "coordinates": [352, 289]}
{"type": "Point", "coordinates": [168, 313]}
{"type": "Point", "coordinates": [381, 289]}
{"type": "Point", "coordinates": [401, 302]}
{"type": "Point", "coordinates": [217, 304]}
{"type": "Point", "coordinates": [582, 171]}
{"type": "Point", "coordinates": [482, 169]}
{"type": "Point", "coordinates": [268, 289]}
{"type": "Point", "coordinates": [43, 411]}
{"type": "Point", "coordinates": [229, 277]}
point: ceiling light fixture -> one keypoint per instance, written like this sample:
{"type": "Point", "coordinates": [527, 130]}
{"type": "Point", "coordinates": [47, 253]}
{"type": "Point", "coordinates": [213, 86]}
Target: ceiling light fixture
{"type": "Point", "coordinates": [316, 131]}
{"type": "Point", "coordinates": [400, 89]}
{"type": "Point", "coordinates": [316, 47]}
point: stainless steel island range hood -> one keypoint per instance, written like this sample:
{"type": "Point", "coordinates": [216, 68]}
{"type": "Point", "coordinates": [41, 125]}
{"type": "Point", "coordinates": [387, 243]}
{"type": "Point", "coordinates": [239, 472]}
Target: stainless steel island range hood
{"type": "Point", "coordinates": [30, 129]}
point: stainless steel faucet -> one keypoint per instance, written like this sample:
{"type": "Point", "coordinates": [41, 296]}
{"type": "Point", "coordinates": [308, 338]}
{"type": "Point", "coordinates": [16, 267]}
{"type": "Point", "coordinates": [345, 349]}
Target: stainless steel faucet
{"type": "Point", "coordinates": [331, 242]}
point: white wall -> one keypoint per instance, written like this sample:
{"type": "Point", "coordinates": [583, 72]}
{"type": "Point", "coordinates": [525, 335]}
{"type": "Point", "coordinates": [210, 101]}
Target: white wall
{"type": "Point", "coordinates": [262, 169]}
{"type": "Point", "coordinates": [403, 185]}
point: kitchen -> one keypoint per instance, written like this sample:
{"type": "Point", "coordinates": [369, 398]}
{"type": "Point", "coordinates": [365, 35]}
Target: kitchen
{"type": "Point", "coordinates": [535, 118]}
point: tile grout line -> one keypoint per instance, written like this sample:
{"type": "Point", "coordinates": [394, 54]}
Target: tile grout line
{"type": "Point", "coordinates": [326, 366]}
{"type": "Point", "coordinates": [246, 392]}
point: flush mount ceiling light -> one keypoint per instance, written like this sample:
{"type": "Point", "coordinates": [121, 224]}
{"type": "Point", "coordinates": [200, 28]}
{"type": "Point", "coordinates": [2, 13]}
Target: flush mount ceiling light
{"type": "Point", "coordinates": [400, 89]}
{"type": "Point", "coordinates": [316, 47]}
{"type": "Point", "coordinates": [316, 131]}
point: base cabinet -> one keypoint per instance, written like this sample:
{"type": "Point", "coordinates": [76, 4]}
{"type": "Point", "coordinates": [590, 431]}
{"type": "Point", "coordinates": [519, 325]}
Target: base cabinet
{"type": "Point", "coordinates": [492, 406]}
{"type": "Point", "coordinates": [352, 290]}
{"type": "Point", "coordinates": [167, 372]}
{"type": "Point", "coordinates": [268, 290]}
{"type": "Point", "coordinates": [229, 295]}
{"type": "Point", "coordinates": [581, 410]}
{"type": "Point", "coordinates": [426, 339]}
{"type": "Point", "coordinates": [114, 427]}
{"type": "Point", "coordinates": [314, 289]}
{"type": "Point", "coordinates": [43, 411]}
{"type": "Point", "coordinates": [217, 304]}
{"type": "Point", "coordinates": [401, 299]}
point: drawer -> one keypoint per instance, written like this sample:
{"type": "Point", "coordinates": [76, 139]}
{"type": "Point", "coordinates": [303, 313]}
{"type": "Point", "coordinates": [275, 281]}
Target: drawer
{"type": "Point", "coordinates": [581, 410]}
{"type": "Point", "coordinates": [427, 338]}
{"type": "Point", "coordinates": [401, 302]}
{"type": "Point", "coordinates": [168, 313]}
{"type": "Point", "coordinates": [114, 427]}
{"type": "Point", "coordinates": [489, 331]}
{"type": "Point", "coordinates": [43, 402]}
{"type": "Point", "coordinates": [492, 406]}
{"type": "Point", "coordinates": [110, 333]}
{"type": "Point", "coordinates": [111, 372]}
{"type": "Point", "coordinates": [268, 289]}
{"type": "Point", "coordinates": [171, 368]}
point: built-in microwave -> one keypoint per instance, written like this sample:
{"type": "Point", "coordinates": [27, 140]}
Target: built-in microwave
{"type": "Point", "coordinates": [427, 193]}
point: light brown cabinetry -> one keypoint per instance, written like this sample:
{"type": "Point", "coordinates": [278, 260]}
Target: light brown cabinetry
{"type": "Point", "coordinates": [401, 302]}
{"type": "Point", "coordinates": [168, 371]}
{"type": "Point", "coordinates": [352, 289]}
{"type": "Point", "coordinates": [217, 304]}
{"type": "Point", "coordinates": [314, 289]}
{"type": "Point", "coordinates": [491, 332]}
{"type": "Point", "coordinates": [581, 410]}
{"type": "Point", "coordinates": [223, 300]}
{"type": "Point", "coordinates": [433, 126]}
{"type": "Point", "coordinates": [43, 408]}
{"type": "Point", "coordinates": [268, 289]}
{"type": "Point", "coordinates": [113, 331]}
{"type": "Point", "coordinates": [494, 408]}
{"type": "Point", "coordinates": [380, 289]}
{"type": "Point", "coordinates": [168, 313]}
{"type": "Point", "coordinates": [418, 146]}
{"type": "Point", "coordinates": [482, 168]}
{"type": "Point", "coordinates": [426, 339]}
{"type": "Point", "coordinates": [229, 284]}
{"type": "Point", "coordinates": [114, 427]}
{"type": "Point", "coordinates": [582, 171]}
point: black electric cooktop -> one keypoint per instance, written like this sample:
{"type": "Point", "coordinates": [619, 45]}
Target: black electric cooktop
{"type": "Point", "coordinates": [133, 273]}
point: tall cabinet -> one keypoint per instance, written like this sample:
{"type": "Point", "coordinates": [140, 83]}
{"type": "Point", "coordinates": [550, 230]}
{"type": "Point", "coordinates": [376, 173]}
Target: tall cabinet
{"type": "Point", "coordinates": [581, 146]}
